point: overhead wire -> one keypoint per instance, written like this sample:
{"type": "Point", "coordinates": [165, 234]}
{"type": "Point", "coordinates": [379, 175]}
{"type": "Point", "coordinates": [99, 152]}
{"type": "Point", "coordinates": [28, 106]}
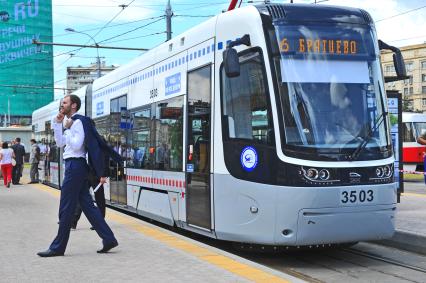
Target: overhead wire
{"type": "Point", "coordinates": [151, 34]}
{"type": "Point", "coordinates": [132, 30]}
{"type": "Point", "coordinates": [400, 14]}
{"type": "Point", "coordinates": [116, 25]}
{"type": "Point", "coordinates": [77, 49]}
{"type": "Point", "coordinates": [113, 18]}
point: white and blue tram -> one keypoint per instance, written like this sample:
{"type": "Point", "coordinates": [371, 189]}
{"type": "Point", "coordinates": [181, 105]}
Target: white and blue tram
{"type": "Point", "coordinates": [285, 142]}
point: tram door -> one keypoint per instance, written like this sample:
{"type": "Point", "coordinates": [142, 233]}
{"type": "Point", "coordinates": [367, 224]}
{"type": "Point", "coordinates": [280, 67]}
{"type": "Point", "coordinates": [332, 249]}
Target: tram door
{"type": "Point", "coordinates": [198, 195]}
{"type": "Point", "coordinates": [118, 139]}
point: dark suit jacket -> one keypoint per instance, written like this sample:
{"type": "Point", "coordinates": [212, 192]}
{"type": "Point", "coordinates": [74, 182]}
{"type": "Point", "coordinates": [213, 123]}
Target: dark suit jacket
{"type": "Point", "coordinates": [98, 150]}
{"type": "Point", "coordinates": [19, 151]}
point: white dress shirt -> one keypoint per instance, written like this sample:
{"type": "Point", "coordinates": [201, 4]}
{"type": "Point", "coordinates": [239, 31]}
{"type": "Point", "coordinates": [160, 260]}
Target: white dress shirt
{"type": "Point", "coordinates": [72, 138]}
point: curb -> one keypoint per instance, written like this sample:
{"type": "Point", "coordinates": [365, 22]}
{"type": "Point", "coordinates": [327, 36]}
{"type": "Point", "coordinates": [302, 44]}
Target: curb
{"type": "Point", "coordinates": [406, 241]}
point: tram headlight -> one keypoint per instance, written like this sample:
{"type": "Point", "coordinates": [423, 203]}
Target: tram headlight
{"type": "Point", "coordinates": [324, 174]}
{"type": "Point", "coordinates": [387, 171]}
{"type": "Point", "coordinates": [317, 176]}
{"type": "Point", "coordinates": [380, 172]}
{"type": "Point", "coordinates": [312, 173]}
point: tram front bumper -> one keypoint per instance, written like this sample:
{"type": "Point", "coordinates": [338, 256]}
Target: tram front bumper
{"type": "Point", "coordinates": [344, 225]}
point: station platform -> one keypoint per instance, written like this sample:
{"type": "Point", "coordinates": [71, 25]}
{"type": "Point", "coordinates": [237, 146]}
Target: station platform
{"type": "Point", "coordinates": [146, 253]}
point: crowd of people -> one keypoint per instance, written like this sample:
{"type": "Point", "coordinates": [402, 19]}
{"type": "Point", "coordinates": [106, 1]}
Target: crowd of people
{"type": "Point", "coordinates": [13, 155]}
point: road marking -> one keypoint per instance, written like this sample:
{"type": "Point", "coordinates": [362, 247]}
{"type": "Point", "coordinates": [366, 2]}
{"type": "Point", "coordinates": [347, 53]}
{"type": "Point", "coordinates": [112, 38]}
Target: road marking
{"type": "Point", "coordinates": [414, 194]}
{"type": "Point", "coordinates": [204, 254]}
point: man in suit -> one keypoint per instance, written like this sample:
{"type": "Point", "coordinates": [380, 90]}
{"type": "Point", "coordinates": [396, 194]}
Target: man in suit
{"type": "Point", "coordinates": [77, 136]}
{"type": "Point", "coordinates": [19, 151]}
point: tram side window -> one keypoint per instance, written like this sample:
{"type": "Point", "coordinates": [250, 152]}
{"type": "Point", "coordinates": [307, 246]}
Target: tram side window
{"type": "Point", "coordinates": [118, 104]}
{"type": "Point", "coordinates": [168, 126]}
{"type": "Point", "coordinates": [141, 137]}
{"type": "Point", "coordinates": [245, 102]}
{"type": "Point", "coordinates": [408, 133]}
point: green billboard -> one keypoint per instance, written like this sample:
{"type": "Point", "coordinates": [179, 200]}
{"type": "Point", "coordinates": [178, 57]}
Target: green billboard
{"type": "Point", "coordinates": [26, 70]}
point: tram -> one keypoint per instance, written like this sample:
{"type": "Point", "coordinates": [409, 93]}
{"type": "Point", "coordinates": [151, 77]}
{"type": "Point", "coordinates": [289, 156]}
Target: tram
{"type": "Point", "coordinates": [414, 125]}
{"type": "Point", "coordinates": [264, 125]}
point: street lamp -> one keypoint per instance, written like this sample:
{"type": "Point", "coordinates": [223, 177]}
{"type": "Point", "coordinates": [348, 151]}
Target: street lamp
{"type": "Point", "coordinates": [98, 60]}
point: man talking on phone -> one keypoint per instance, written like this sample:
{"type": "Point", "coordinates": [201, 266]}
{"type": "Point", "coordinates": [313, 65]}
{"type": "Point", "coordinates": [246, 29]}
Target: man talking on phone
{"type": "Point", "coordinates": [79, 138]}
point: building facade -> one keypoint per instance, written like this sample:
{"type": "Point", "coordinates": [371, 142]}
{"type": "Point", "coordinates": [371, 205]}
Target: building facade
{"type": "Point", "coordinates": [413, 90]}
{"type": "Point", "coordinates": [26, 70]}
{"type": "Point", "coordinates": [80, 76]}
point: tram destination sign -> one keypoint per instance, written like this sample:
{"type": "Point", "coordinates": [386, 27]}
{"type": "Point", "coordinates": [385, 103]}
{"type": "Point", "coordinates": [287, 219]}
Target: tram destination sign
{"type": "Point", "coordinates": [327, 41]}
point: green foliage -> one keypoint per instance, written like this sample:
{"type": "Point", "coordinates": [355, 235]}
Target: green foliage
{"type": "Point", "coordinates": [393, 119]}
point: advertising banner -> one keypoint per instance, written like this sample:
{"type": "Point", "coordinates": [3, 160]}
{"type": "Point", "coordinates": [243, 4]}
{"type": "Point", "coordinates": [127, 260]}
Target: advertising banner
{"type": "Point", "coordinates": [23, 63]}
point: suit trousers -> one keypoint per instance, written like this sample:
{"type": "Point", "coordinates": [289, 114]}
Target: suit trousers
{"type": "Point", "coordinates": [34, 172]}
{"type": "Point", "coordinates": [16, 173]}
{"type": "Point", "coordinates": [73, 190]}
{"type": "Point", "coordinates": [100, 203]}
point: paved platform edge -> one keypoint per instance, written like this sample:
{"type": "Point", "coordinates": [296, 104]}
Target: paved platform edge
{"type": "Point", "coordinates": [212, 252]}
{"type": "Point", "coordinates": [408, 241]}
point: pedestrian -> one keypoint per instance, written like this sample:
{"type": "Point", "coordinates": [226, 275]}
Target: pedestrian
{"type": "Point", "coordinates": [6, 156]}
{"type": "Point", "coordinates": [19, 151]}
{"type": "Point", "coordinates": [78, 135]}
{"type": "Point", "coordinates": [34, 160]}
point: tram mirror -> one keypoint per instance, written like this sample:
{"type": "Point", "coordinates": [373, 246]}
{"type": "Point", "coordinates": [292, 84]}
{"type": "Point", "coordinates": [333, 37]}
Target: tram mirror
{"type": "Point", "coordinates": [399, 64]}
{"type": "Point", "coordinates": [231, 62]}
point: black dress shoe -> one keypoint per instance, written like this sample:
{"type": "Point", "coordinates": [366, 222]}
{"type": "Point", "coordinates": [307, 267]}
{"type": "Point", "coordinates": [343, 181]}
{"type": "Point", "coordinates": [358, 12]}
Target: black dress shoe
{"type": "Point", "coordinates": [49, 253]}
{"type": "Point", "coordinates": [107, 248]}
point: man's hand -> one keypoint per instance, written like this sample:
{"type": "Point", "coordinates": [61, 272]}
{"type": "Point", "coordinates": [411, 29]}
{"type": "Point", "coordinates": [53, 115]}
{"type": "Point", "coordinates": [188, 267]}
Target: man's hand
{"type": "Point", "coordinates": [68, 123]}
{"type": "Point", "coordinates": [103, 180]}
{"type": "Point", "coordinates": [59, 117]}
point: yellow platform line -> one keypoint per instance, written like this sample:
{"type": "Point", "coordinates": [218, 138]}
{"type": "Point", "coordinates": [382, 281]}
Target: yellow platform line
{"type": "Point", "coordinates": [204, 254]}
{"type": "Point", "coordinates": [414, 195]}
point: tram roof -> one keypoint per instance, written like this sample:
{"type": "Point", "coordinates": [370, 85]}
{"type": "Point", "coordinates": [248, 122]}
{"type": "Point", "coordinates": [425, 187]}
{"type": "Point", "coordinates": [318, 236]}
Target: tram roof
{"type": "Point", "coordinates": [290, 12]}
{"type": "Point", "coordinates": [304, 13]}
{"type": "Point", "coordinates": [413, 117]}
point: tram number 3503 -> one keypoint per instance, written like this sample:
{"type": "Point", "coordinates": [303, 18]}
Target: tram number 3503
{"type": "Point", "coordinates": [357, 196]}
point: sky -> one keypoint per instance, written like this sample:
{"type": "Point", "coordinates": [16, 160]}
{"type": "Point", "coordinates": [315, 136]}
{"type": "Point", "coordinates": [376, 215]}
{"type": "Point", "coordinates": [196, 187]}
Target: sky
{"type": "Point", "coordinates": [140, 24]}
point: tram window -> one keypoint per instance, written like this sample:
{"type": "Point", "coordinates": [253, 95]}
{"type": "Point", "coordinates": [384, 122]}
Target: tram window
{"type": "Point", "coordinates": [419, 128]}
{"type": "Point", "coordinates": [245, 102]}
{"type": "Point", "coordinates": [141, 137]}
{"type": "Point", "coordinates": [168, 121]}
{"type": "Point", "coordinates": [118, 104]}
{"type": "Point", "coordinates": [408, 133]}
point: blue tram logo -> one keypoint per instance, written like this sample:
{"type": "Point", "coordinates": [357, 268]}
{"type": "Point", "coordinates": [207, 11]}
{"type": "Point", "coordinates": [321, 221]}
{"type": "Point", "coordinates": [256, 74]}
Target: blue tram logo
{"type": "Point", "coordinates": [249, 158]}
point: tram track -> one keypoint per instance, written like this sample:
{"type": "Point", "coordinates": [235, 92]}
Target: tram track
{"type": "Point", "coordinates": [384, 259]}
{"type": "Point", "coordinates": [340, 264]}
{"type": "Point", "coordinates": [316, 265]}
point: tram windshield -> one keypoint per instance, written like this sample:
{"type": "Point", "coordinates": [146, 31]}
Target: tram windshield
{"type": "Point", "coordinates": [331, 93]}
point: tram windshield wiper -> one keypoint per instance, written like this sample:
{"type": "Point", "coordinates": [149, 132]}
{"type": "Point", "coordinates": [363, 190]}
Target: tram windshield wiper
{"type": "Point", "coordinates": [354, 155]}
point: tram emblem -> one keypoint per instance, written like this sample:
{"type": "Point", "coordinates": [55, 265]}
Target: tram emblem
{"type": "Point", "coordinates": [354, 175]}
{"type": "Point", "coordinates": [248, 158]}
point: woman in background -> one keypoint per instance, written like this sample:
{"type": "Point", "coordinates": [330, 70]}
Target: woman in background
{"type": "Point", "coordinates": [6, 155]}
